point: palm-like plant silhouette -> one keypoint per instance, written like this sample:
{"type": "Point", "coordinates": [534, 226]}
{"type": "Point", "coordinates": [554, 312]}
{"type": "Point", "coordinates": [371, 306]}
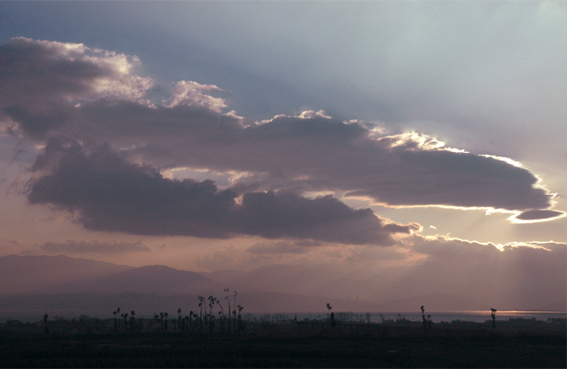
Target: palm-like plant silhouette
{"type": "Point", "coordinates": [45, 328]}
{"type": "Point", "coordinates": [132, 320]}
{"type": "Point", "coordinates": [125, 317]}
{"type": "Point", "coordinates": [210, 318]}
{"type": "Point", "coordinates": [201, 305]}
{"type": "Point", "coordinates": [240, 321]}
{"type": "Point", "coordinates": [234, 309]}
{"type": "Point", "coordinates": [115, 312]}
{"type": "Point", "coordinates": [227, 297]}
{"type": "Point", "coordinates": [332, 316]}
{"type": "Point", "coordinates": [221, 315]}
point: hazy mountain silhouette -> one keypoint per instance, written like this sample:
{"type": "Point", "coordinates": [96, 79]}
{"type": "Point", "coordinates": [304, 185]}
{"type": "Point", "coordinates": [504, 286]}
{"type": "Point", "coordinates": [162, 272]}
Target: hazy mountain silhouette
{"type": "Point", "coordinates": [317, 281]}
{"type": "Point", "coordinates": [272, 288]}
{"type": "Point", "coordinates": [153, 279]}
{"type": "Point", "coordinates": [38, 274]}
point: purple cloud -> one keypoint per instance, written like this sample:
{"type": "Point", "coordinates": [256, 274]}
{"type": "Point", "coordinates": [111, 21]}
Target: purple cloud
{"type": "Point", "coordinates": [109, 194]}
{"type": "Point", "coordinates": [94, 247]}
{"type": "Point", "coordinates": [95, 96]}
{"type": "Point", "coordinates": [539, 215]}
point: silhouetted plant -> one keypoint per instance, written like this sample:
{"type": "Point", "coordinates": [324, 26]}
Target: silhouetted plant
{"type": "Point", "coordinates": [201, 304]}
{"type": "Point", "coordinates": [221, 316]}
{"type": "Point", "coordinates": [185, 323]}
{"type": "Point", "coordinates": [493, 316]}
{"type": "Point", "coordinates": [45, 328]}
{"type": "Point", "coordinates": [125, 317]}
{"type": "Point", "coordinates": [191, 320]}
{"type": "Point", "coordinates": [195, 316]}
{"type": "Point", "coordinates": [179, 319]}
{"type": "Point", "coordinates": [332, 316]}
{"type": "Point", "coordinates": [115, 312]}
{"type": "Point", "coordinates": [423, 320]}
{"type": "Point", "coordinates": [210, 317]}
{"type": "Point", "coordinates": [239, 320]}
{"type": "Point", "coordinates": [132, 320]}
{"type": "Point", "coordinates": [234, 309]}
{"type": "Point", "coordinates": [227, 297]}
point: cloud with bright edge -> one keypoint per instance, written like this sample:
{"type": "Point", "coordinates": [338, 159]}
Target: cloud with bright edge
{"type": "Point", "coordinates": [83, 104]}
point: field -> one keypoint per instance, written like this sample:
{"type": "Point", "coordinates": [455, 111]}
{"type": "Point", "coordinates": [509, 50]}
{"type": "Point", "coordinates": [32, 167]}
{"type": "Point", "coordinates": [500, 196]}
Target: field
{"type": "Point", "coordinates": [518, 343]}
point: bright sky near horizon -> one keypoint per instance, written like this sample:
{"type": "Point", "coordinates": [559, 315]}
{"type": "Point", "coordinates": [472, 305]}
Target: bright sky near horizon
{"type": "Point", "coordinates": [233, 135]}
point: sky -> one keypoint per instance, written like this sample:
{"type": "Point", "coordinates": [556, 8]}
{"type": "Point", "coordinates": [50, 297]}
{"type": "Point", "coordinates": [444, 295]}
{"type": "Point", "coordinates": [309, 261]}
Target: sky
{"type": "Point", "coordinates": [422, 137]}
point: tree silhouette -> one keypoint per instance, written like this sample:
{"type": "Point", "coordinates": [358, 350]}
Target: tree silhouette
{"type": "Point", "coordinates": [201, 304]}
{"type": "Point", "coordinates": [493, 316]}
{"type": "Point", "coordinates": [221, 315]}
{"type": "Point", "coordinates": [191, 313]}
{"type": "Point", "coordinates": [227, 297]}
{"type": "Point", "coordinates": [132, 320]}
{"type": "Point", "coordinates": [125, 317]}
{"type": "Point", "coordinates": [115, 312]}
{"type": "Point", "coordinates": [210, 318]}
{"type": "Point", "coordinates": [234, 309]}
{"type": "Point", "coordinates": [45, 328]}
{"type": "Point", "coordinates": [332, 316]}
{"type": "Point", "coordinates": [239, 320]}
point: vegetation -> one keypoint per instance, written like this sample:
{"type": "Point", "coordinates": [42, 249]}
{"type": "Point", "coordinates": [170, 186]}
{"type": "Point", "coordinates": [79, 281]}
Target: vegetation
{"type": "Point", "coordinates": [339, 339]}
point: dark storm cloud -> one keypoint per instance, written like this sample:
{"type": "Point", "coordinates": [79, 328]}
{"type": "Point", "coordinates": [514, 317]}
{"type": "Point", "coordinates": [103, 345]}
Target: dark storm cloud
{"type": "Point", "coordinates": [539, 214]}
{"type": "Point", "coordinates": [110, 194]}
{"type": "Point", "coordinates": [94, 247]}
{"type": "Point", "coordinates": [288, 153]}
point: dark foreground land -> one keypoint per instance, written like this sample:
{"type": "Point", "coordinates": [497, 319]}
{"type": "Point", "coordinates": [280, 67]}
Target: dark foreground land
{"type": "Point", "coordinates": [460, 345]}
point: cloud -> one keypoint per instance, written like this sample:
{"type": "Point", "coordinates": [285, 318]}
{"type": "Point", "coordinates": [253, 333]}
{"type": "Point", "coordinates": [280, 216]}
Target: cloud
{"type": "Point", "coordinates": [539, 215]}
{"type": "Point", "coordinates": [190, 93]}
{"type": "Point", "coordinates": [42, 81]}
{"type": "Point", "coordinates": [278, 248]}
{"type": "Point", "coordinates": [94, 247]}
{"type": "Point", "coordinates": [109, 194]}
{"type": "Point", "coordinates": [95, 96]}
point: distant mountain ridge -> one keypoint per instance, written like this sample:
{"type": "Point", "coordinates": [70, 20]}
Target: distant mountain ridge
{"type": "Point", "coordinates": [151, 279]}
{"type": "Point", "coordinates": [270, 288]}
{"type": "Point", "coordinates": [273, 288]}
{"type": "Point", "coordinates": [38, 274]}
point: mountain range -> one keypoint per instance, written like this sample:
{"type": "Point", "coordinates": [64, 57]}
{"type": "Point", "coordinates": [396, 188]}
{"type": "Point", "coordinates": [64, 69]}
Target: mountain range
{"type": "Point", "coordinates": [65, 283]}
